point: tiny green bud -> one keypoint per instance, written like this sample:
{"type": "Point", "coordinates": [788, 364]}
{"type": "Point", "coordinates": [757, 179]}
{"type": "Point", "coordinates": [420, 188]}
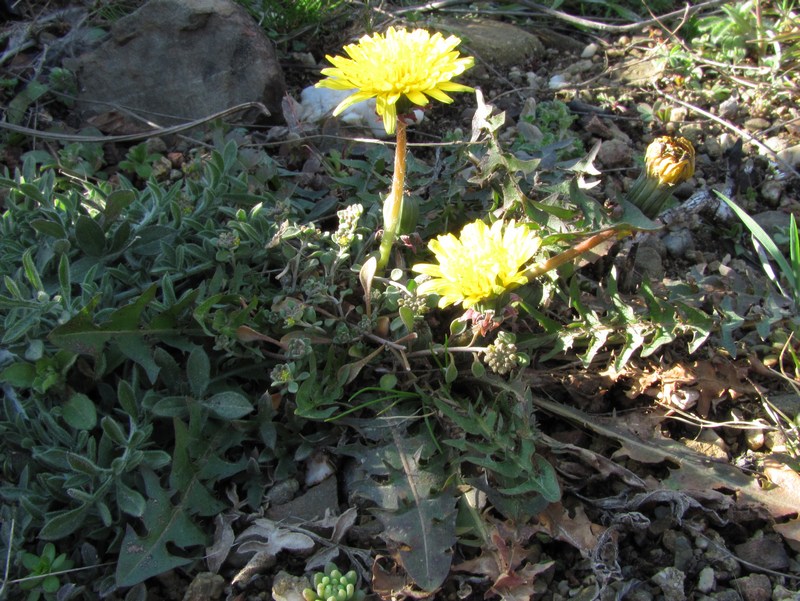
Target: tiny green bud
{"type": "Point", "coordinates": [309, 595]}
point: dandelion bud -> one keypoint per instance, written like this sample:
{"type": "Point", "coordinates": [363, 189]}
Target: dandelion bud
{"type": "Point", "coordinates": [668, 162]}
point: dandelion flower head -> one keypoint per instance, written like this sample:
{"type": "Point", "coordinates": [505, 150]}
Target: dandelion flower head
{"type": "Point", "coordinates": [400, 64]}
{"type": "Point", "coordinates": [481, 264]}
{"type": "Point", "coordinates": [670, 160]}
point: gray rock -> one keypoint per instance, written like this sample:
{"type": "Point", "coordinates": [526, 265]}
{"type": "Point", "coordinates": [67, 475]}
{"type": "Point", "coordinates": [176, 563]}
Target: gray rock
{"type": "Point", "coordinates": [681, 547]}
{"type": "Point", "coordinates": [495, 42]}
{"type": "Point", "coordinates": [729, 108]}
{"type": "Point", "coordinates": [755, 587]}
{"type": "Point", "coordinates": [756, 123]}
{"type": "Point", "coordinates": [781, 593]}
{"type": "Point", "coordinates": [670, 581]}
{"type": "Point", "coordinates": [648, 264]}
{"type": "Point", "coordinates": [310, 505]}
{"type": "Point", "coordinates": [726, 595]}
{"type": "Point", "coordinates": [678, 242]}
{"type": "Point", "coordinates": [772, 222]}
{"type": "Point", "coordinates": [765, 552]}
{"type": "Point", "coordinates": [178, 60]}
{"type": "Point", "coordinates": [615, 153]}
{"type": "Point", "coordinates": [706, 580]}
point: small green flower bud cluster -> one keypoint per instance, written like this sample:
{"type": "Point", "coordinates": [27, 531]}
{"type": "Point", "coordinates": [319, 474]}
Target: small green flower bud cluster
{"type": "Point", "coordinates": [228, 240]}
{"type": "Point", "coordinates": [297, 348]}
{"type": "Point", "coordinates": [332, 585]}
{"type": "Point", "coordinates": [417, 304]}
{"type": "Point", "coordinates": [501, 356]}
{"type": "Point", "coordinates": [348, 223]}
{"type": "Point", "coordinates": [342, 335]}
{"type": "Point", "coordinates": [282, 373]}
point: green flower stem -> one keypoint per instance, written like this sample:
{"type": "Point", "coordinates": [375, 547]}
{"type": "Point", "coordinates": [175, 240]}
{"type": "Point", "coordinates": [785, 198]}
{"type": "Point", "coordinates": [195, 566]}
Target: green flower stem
{"type": "Point", "coordinates": [649, 195]}
{"type": "Point", "coordinates": [394, 202]}
{"type": "Point", "coordinates": [577, 250]}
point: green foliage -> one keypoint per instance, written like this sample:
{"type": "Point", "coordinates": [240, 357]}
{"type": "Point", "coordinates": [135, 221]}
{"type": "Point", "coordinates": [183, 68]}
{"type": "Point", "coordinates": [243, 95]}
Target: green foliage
{"type": "Point", "coordinates": [42, 580]}
{"type": "Point", "coordinates": [172, 348]}
{"type": "Point", "coordinates": [281, 17]}
{"type": "Point", "coordinates": [332, 585]}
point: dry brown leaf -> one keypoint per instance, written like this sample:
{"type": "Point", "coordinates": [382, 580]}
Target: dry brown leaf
{"type": "Point", "coordinates": [223, 541]}
{"type": "Point", "coordinates": [504, 562]}
{"type": "Point", "coordinates": [576, 530]}
{"type": "Point", "coordinates": [694, 472]}
{"type": "Point", "coordinates": [791, 532]}
{"type": "Point", "coordinates": [392, 585]}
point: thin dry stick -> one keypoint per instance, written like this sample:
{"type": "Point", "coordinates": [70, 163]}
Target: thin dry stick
{"type": "Point", "coordinates": [8, 559]}
{"type": "Point", "coordinates": [618, 28]}
{"type": "Point", "coordinates": [163, 131]}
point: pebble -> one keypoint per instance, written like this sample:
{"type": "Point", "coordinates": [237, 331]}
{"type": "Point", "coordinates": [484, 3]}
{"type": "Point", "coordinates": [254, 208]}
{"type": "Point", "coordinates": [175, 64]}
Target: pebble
{"type": "Point", "coordinates": [765, 552]}
{"type": "Point", "coordinates": [286, 587]}
{"type": "Point", "coordinates": [681, 547]}
{"type": "Point", "coordinates": [754, 439]}
{"type": "Point", "coordinates": [781, 593]}
{"type": "Point", "coordinates": [670, 581]}
{"type": "Point", "coordinates": [771, 192]}
{"type": "Point", "coordinates": [772, 222]}
{"type": "Point", "coordinates": [589, 51]}
{"type": "Point", "coordinates": [756, 124]}
{"type": "Point", "coordinates": [713, 147]}
{"type": "Point", "coordinates": [557, 82]}
{"type": "Point", "coordinates": [678, 242]}
{"type": "Point", "coordinates": [729, 108]}
{"type": "Point", "coordinates": [706, 580]}
{"type": "Point", "coordinates": [727, 595]}
{"type": "Point", "coordinates": [755, 587]}
{"type": "Point", "coordinates": [790, 156]}
{"type": "Point", "coordinates": [615, 153]}
{"type": "Point", "coordinates": [726, 141]}
{"type": "Point", "coordinates": [648, 263]}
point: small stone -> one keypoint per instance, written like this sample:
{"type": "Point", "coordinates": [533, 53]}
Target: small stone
{"type": "Point", "coordinates": [756, 124]}
{"type": "Point", "coordinates": [706, 580]}
{"type": "Point", "coordinates": [718, 556]}
{"type": "Point", "coordinates": [781, 593]}
{"type": "Point", "coordinates": [670, 581]}
{"type": "Point", "coordinates": [765, 552]}
{"type": "Point", "coordinates": [726, 141]}
{"type": "Point", "coordinates": [681, 547]}
{"type": "Point", "coordinates": [615, 153]}
{"type": "Point", "coordinates": [771, 192]}
{"type": "Point", "coordinates": [286, 587]}
{"type": "Point", "coordinates": [640, 593]}
{"type": "Point", "coordinates": [589, 51]}
{"type": "Point", "coordinates": [708, 443]}
{"type": "Point", "coordinates": [755, 587]}
{"type": "Point", "coordinates": [772, 222]}
{"type": "Point", "coordinates": [754, 439]}
{"type": "Point", "coordinates": [558, 81]}
{"type": "Point", "coordinates": [729, 108]}
{"type": "Point", "coordinates": [713, 147]}
{"type": "Point", "coordinates": [282, 492]}
{"type": "Point", "coordinates": [678, 114]}
{"type": "Point", "coordinates": [648, 263]}
{"type": "Point", "coordinates": [678, 242]}
{"type": "Point", "coordinates": [790, 156]}
{"type": "Point", "coordinates": [205, 587]}
{"type": "Point", "coordinates": [726, 595]}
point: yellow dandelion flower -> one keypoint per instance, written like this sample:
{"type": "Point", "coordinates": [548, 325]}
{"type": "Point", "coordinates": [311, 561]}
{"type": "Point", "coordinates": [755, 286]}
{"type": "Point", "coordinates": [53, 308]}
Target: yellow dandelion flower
{"type": "Point", "coordinates": [670, 160]}
{"type": "Point", "coordinates": [400, 64]}
{"type": "Point", "coordinates": [481, 264]}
